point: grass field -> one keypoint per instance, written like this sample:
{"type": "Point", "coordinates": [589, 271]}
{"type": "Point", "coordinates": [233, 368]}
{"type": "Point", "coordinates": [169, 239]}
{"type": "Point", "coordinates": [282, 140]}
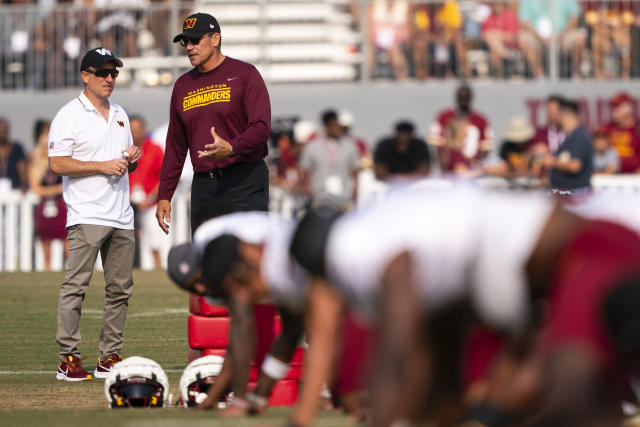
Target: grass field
{"type": "Point", "coordinates": [156, 328]}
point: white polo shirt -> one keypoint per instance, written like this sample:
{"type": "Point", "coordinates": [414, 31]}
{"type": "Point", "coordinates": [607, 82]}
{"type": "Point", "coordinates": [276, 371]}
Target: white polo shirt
{"type": "Point", "coordinates": [287, 281]}
{"type": "Point", "coordinates": [80, 131]}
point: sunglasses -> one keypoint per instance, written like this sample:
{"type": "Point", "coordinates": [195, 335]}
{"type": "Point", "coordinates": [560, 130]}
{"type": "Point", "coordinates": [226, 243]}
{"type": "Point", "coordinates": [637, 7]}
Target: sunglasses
{"type": "Point", "coordinates": [104, 72]}
{"type": "Point", "coordinates": [193, 40]}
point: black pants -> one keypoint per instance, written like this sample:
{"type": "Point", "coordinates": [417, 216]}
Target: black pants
{"type": "Point", "coordinates": [236, 188]}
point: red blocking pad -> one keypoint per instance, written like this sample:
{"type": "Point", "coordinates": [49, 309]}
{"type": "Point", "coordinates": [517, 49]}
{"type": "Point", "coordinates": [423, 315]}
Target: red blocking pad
{"type": "Point", "coordinates": [199, 305]}
{"type": "Point", "coordinates": [194, 354]}
{"type": "Point", "coordinates": [194, 304]}
{"type": "Point", "coordinates": [208, 332]}
{"type": "Point", "coordinates": [207, 309]}
{"type": "Point", "coordinates": [284, 393]}
{"type": "Point", "coordinates": [295, 373]}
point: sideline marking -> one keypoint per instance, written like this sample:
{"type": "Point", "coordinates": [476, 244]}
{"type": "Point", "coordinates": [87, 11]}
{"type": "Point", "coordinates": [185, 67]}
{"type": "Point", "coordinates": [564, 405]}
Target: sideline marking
{"type": "Point", "coordinates": [168, 311]}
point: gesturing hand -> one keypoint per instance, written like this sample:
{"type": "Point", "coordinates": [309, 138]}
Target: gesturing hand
{"type": "Point", "coordinates": [219, 149]}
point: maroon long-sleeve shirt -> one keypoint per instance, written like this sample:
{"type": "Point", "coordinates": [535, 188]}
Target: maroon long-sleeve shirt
{"type": "Point", "coordinates": [232, 98]}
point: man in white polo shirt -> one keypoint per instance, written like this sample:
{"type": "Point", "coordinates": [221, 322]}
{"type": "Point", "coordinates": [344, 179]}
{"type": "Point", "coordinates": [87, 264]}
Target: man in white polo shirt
{"type": "Point", "coordinates": [89, 142]}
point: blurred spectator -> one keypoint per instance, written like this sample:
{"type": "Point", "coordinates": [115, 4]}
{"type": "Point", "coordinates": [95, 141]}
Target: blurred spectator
{"type": "Point", "coordinates": [605, 159]}
{"type": "Point", "coordinates": [118, 28]}
{"type": "Point", "coordinates": [389, 35]}
{"type": "Point", "coordinates": [478, 135]}
{"type": "Point", "coordinates": [572, 167]}
{"type": "Point", "coordinates": [51, 212]}
{"type": "Point", "coordinates": [623, 134]}
{"type": "Point", "coordinates": [548, 138]}
{"type": "Point", "coordinates": [287, 161]}
{"type": "Point", "coordinates": [610, 23]}
{"type": "Point", "coordinates": [13, 165]}
{"type": "Point", "coordinates": [446, 48]}
{"type": "Point", "coordinates": [451, 158]}
{"type": "Point", "coordinates": [437, 40]}
{"type": "Point", "coordinates": [515, 159]}
{"type": "Point", "coordinates": [143, 184]}
{"type": "Point", "coordinates": [346, 120]}
{"type": "Point", "coordinates": [500, 33]}
{"type": "Point", "coordinates": [329, 165]}
{"type": "Point", "coordinates": [542, 19]}
{"type": "Point", "coordinates": [402, 154]}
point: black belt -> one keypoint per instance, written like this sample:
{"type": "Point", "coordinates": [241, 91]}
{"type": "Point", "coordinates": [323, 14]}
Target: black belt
{"type": "Point", "coordinates": [217, 173]}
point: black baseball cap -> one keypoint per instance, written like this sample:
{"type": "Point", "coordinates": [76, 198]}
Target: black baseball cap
{"type": "Point", "coordinates": [182, 264]}
{"type": "Point", "coordinates": [97, 57]}
{"type": "Point", "coordinates": [197, 25]}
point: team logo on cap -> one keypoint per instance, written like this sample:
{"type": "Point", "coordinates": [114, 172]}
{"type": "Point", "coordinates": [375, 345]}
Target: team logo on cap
{"type": "Point", "coordinates": [184, 268]}
{"type": "Point", "coordinates": [103, 51]}
{"type": "Point", "coordinates": [189, 23]}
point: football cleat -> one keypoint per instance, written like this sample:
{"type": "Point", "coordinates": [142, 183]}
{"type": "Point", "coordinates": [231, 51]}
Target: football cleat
{"type": "Point", "coordinates": [104, 366]}
{"type": "Point", "coordinates": [70, 369]}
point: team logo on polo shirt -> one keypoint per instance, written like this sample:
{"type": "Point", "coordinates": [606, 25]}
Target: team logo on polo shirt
{"type": "Point", "coordinates": [121, 123]}
{"type": "Point", "coordinates": [206, 95]}
{"type": "Point", "coordinates": [189, 23]}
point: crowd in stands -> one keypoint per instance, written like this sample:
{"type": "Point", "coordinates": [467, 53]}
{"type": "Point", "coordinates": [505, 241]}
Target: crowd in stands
{"type": "Point", "coordinates": [405, 38]}
{"type": "Point", "coordinates": [504, 38]}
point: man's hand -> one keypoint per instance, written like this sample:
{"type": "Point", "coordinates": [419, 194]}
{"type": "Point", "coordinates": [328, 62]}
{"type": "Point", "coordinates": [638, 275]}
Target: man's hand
{"type": "Point", "coordinates": [115, 167]}
{"type": "Point", "coordinates": [219, 149]}
{"type": "Point", "coordinates": [209, 404]}
{"type": "Point", "coordinates": [235, 411]}
{"type": "Point", "coordinates": [163, 211]}
{"type": "Point", "coordinates": [134, 153]}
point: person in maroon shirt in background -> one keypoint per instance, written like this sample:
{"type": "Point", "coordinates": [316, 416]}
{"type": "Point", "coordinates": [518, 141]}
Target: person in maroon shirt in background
{"type": "Point", "coordinates": [550, 136]}
{"type": "Point", "coordinates": [478, 133]}
{"type": "Point", "coordinates": [547, 138]}
{"type": "Point", "coordinates": [220, 112]}
{"type": "Point", "coordinates": [622, 132]}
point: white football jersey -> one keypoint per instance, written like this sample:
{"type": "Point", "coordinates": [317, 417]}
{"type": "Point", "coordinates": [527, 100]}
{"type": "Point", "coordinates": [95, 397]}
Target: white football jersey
{"type": "Point", "coordinates": [621, 207]}
{"type": "Point", "coordinates": [463, 242]}
{"type": "Point", "coordinates": [286, 279]}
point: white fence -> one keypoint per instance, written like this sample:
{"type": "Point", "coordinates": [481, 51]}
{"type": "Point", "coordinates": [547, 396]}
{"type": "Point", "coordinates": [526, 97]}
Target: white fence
{"type": "Point", "coordinates": [21, 251]}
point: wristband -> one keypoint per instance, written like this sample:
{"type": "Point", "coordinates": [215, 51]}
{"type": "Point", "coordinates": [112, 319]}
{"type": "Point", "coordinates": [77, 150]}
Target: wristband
{"type": "Point", "coordinates": [274, 368]}
{"type": "Point", "coordinates": [239, 402]}
{"type": "Point", "coordinates": [258, 401]}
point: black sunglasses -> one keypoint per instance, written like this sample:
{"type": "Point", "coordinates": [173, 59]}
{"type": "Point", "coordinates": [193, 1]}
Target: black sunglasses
{"type": "Point", "coordinates": [104, 72]}
{"type": "Point", "coordinates": [193, 40]}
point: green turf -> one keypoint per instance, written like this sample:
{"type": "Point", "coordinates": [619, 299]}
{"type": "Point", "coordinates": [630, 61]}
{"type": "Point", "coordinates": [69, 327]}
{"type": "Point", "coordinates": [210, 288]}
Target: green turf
{"type": "Point", "coordinates": [156, 328]}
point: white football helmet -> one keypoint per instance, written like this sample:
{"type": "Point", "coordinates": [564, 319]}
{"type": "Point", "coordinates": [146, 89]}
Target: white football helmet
{"type": "Point", "coordinates": [197, 377]}
{"type": "Point", "coordinates": [137, 382]}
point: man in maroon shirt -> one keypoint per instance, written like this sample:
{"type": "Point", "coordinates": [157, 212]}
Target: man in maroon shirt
{"type": "Point", "coordinates": [478, 140]}
{"type": "Point", "coordinates": [220, 112]}
{"type": "Point", "coordinates": [623, 134]}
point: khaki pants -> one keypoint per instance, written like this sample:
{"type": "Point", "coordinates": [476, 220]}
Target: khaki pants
{"type": "Point", "coordinates": [116, 247]}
